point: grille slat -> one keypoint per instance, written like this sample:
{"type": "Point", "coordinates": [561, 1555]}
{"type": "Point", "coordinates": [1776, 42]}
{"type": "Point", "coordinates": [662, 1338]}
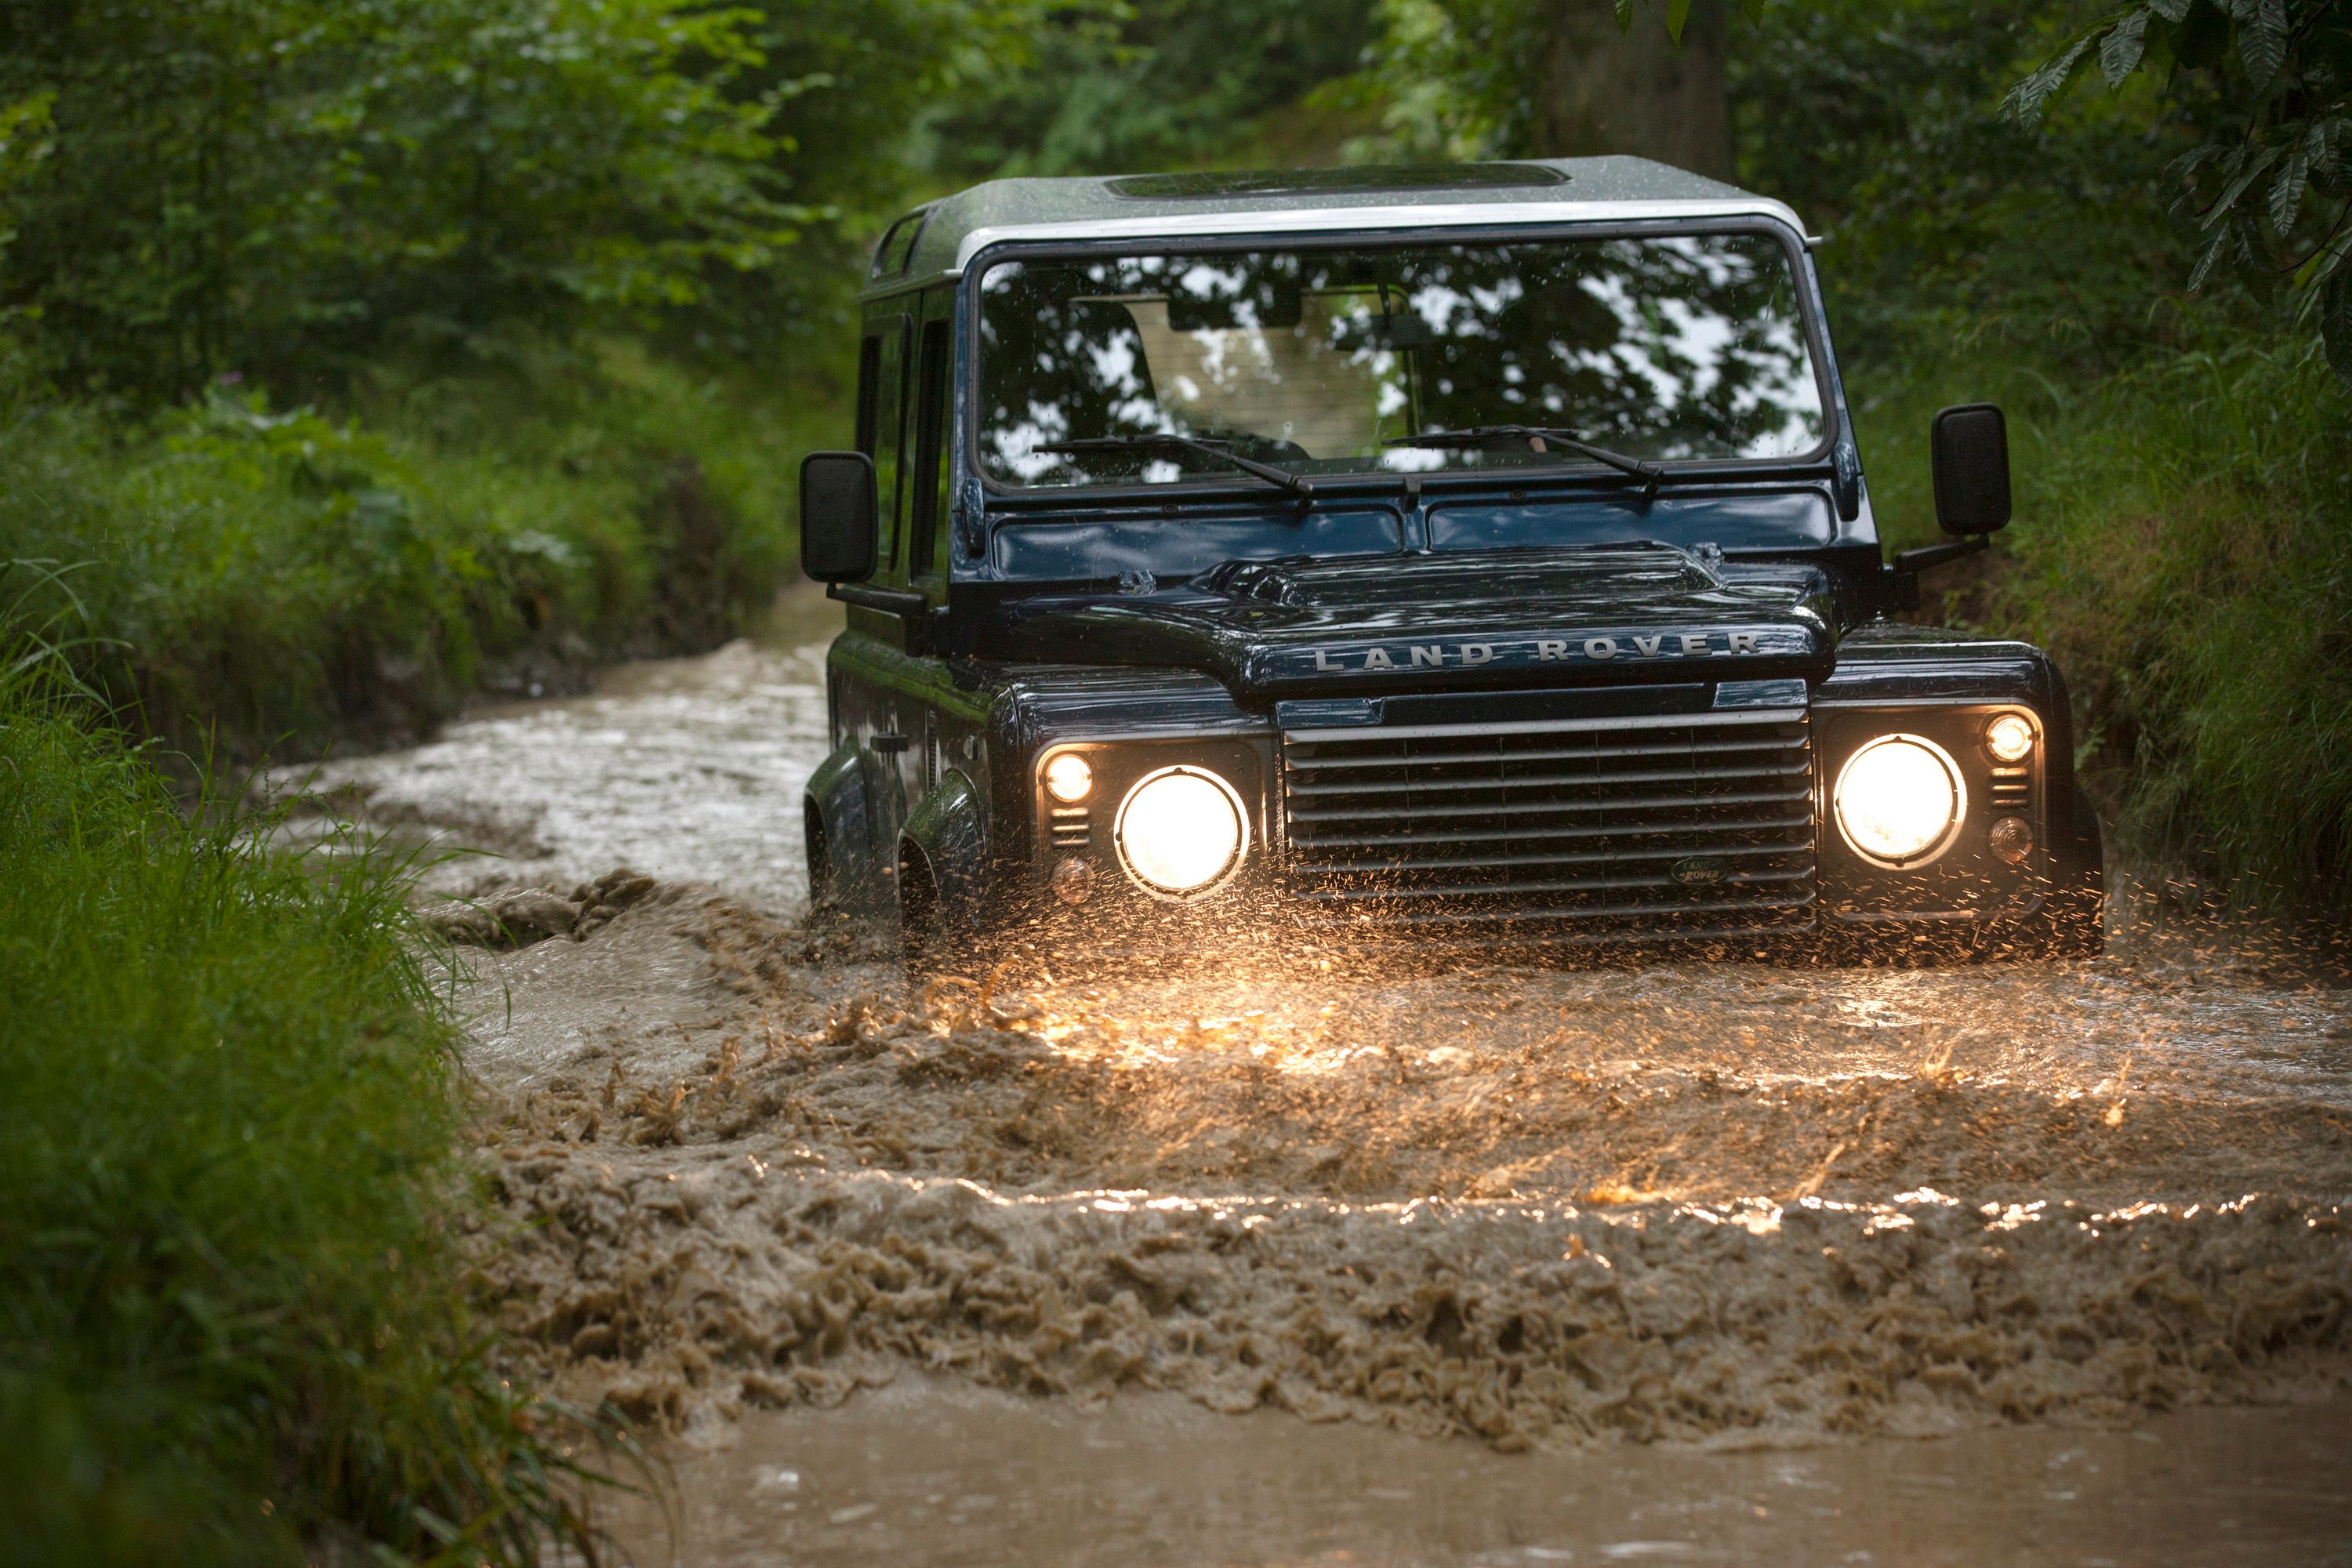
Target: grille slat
{"type": "Point", "coordinates": [1535, 780]}
{"type": "Point", "coordinates": [1385, 820]}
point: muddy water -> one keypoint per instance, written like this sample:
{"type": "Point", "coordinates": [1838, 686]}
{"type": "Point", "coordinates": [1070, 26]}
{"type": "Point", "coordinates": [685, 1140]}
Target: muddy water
{"type": "Point", "coordinates": [932, 1472]}
{"type": "Point", "coordinates": [685, 768]}
{"type": "Point", "coordinates": [761, 1194]}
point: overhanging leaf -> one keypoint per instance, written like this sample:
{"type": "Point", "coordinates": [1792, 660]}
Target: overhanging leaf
{"type": "Point", "coordinates": [2120, 51]}
{"type": "Point", "coordinates": [2205, 262]}
{"type": "Point", "coordinates": [1624, 15]}
{"type": "Point", "coordinates": [2172, 10]}
{"type": "Point", "coordinates": [1677, 13]}
{"type": "Point", "coordinates": [2248, 167]}
{"type": "Point", "coordinates": [2028, 98]}
{"type": "Point", "coordinates": [2286, 191]}
{"type": "Point", "coordinates": [2262, 40]}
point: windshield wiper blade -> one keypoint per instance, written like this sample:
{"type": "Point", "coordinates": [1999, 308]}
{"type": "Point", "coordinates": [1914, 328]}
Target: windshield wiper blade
{"type": "Point", "coordinates": [1539, 438]}
{"type": "Point", "coordinates": [1213, 451]}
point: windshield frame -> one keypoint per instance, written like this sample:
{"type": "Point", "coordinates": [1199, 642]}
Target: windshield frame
{"type": "Point", "coordinates": [1811, 464]}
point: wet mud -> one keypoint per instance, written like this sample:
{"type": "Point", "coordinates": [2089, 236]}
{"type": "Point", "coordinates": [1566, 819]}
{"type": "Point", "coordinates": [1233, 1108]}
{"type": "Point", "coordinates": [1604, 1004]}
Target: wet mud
{"type": "Point", "coordinates": [1533, 1207]}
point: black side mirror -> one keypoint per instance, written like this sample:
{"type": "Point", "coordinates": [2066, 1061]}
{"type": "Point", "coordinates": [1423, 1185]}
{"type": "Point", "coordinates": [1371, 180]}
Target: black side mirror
{"type": "Point", "coordinates": [840, 507]}
{"type": "Point", "coordinates": [1969, 447]}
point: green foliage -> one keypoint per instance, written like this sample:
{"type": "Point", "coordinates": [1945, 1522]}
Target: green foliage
{"type": "Point", "coordinates": [231, 1308]}
{"type": "Point", "coordinates": [285, 186]}
{"type": "Point", "coordinates": [2185, 556]}
{"type": "Point", "coordinates": [1118, 86]}
{"type": "Point", "coordinates": [1949, 224]}
{"type": "Point", "coordinates": [282, 579]}
{"type": "Point", "coordinates": [2269, 181]}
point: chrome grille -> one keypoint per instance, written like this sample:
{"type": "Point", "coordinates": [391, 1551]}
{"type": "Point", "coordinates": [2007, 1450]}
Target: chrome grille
{"type": "Point", "coordinates": [1666, 823]}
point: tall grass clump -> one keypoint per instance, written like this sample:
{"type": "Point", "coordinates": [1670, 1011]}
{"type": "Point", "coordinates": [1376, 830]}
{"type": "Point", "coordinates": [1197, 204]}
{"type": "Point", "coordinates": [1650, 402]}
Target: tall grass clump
{"type": "Point", "coordinates": [2185, 549]}
{"type": "Point", "coordinates": [233, 1324]}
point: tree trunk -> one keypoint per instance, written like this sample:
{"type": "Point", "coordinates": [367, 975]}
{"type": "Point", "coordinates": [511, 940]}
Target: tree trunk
{"type": "Point", "coordinates": [1602, 91]}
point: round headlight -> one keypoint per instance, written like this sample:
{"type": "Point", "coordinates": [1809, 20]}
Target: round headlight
{"type": "Point", "coordinates": [2010, 738]}
{"type": "Point", "coordinates": [1181, 831]}
{"type": "Point", "coordinates": [1899, 799]}
{"type": "Point", "coordinates": [1068, 777]}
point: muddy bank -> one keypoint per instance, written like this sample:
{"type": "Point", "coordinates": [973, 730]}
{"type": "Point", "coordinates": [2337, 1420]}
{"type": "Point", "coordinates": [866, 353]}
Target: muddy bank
{"type": "Point", "coordinates": [1724, 1202]}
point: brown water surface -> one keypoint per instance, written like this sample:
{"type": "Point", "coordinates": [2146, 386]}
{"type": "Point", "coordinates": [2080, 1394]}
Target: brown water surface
{"type": "Point", "coordinates": [931, 1472]}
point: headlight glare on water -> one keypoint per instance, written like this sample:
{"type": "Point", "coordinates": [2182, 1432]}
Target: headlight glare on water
{"type": "Point", "coordinates": [1899, 799]}
{"type": "Point", "coordinates": [1181, 831]}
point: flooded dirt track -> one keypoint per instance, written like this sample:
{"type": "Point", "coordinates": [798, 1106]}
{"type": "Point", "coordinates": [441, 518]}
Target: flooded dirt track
{"type": "Point", "coordinates": [761, 1194]}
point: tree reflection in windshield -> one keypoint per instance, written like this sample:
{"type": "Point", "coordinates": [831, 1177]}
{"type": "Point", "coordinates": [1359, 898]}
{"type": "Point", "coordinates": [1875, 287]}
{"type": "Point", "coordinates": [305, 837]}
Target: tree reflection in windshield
{"type": "Point", "coordinates": [1671, 348]}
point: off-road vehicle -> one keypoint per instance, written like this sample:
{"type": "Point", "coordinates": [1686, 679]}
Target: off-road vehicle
{"type": "Point", "coordinates": [1471, 554]}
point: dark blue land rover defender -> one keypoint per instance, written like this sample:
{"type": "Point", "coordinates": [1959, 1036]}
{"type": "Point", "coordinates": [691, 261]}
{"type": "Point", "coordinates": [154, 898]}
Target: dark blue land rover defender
{"type": "Point", "coordinates": [1469, 555]}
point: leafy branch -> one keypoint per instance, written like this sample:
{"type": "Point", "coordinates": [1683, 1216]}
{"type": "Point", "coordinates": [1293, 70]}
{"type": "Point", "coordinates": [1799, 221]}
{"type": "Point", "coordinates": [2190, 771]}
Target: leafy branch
{"type": "Point", "coordinates": [2271, 186]}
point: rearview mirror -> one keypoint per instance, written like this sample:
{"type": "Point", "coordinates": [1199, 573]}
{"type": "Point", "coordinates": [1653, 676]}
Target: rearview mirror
{"type": "Point", "coordinates": [1969, 447]}
{"type": "Point", "coordinates": [839, 508]}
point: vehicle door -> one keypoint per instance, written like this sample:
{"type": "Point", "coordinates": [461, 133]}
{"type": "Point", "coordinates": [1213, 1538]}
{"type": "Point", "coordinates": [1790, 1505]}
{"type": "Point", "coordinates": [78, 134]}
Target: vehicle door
{"type": "Point", "coordinates": [870, 704]}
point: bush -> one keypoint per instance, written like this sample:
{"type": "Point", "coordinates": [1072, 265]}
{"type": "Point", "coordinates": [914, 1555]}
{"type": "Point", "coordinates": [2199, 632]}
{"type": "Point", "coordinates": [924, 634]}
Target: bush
{"type": "Point", "coordinates": [281, 580]}
{"type": "Point", "coordinates": [230, 1297]}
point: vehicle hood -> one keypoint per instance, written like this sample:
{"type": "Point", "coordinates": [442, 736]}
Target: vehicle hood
{"type": "Point", "coordinates": [1571, 617]}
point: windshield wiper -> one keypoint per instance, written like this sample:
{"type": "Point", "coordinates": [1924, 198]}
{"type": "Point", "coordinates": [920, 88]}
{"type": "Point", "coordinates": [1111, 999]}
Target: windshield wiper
{"type": "Point", "coordinates": [1214, 452]}
{"type": "Point", "coordinates": [1539, 439]}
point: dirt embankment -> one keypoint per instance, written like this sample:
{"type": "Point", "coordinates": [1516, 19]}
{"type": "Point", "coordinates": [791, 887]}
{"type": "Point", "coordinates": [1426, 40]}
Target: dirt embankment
{"type": "Point", "coordinates": [1538, 1208]}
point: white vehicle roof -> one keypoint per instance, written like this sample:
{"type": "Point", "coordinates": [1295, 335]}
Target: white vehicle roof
{"type": "Point", "coordinates": [940, 239]}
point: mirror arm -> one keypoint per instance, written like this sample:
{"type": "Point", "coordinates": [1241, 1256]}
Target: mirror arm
{"type": "Point", "coordinates": [1927, 555]}
{"type": "Point", "coordinates": [893, 601]}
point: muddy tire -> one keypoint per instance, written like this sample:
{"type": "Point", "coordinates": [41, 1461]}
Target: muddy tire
{"type": "Point", "coordinates": [922, 939]}
{"type": "Point", "coordinates": [824, 882]}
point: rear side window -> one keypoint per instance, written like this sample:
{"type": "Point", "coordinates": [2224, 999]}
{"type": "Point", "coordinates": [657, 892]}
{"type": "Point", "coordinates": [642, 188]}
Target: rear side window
{"type": "Point", "coordinates": [930, 481]}
{"type": "Point", "coordinates": [881, 413]}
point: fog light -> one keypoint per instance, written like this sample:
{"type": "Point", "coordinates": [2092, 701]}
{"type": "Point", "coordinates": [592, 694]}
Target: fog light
{"type": "Point", "coordinates": [2011, 839]}
{"type": "Point", "coordinates": [1073, 880]}
{"type": "Point", "coordinates": [1068, 777]}
{"type": "Point", "coordinates": [2010, 738]}
{"type": "Point", "coordinates": [1181, 831]}
{"type": "Point", "coordinates": [1898, 800]}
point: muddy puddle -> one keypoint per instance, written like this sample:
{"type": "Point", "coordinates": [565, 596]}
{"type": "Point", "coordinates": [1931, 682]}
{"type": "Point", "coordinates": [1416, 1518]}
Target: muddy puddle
{"type": "Point", "coordinates": [1653, 1237]}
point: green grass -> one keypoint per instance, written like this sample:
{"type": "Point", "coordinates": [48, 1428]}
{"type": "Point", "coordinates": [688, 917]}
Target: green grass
{"type": "Point", "coordinates": [233, 1315]}
{"type": "Point", "coordinates": [2183, 545]}
{"type": "Point", "coordinates": [280, 578]}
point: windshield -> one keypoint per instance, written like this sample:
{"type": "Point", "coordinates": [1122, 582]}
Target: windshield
{"type": "Point", "coordinates": [1669, 348]}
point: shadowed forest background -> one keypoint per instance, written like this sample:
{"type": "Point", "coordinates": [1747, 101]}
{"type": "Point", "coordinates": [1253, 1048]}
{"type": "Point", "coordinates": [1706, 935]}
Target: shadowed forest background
{"type": "Point", "coordinates": [360, 356]}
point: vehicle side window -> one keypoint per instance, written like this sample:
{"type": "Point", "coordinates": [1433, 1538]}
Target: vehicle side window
{"type": "Point", "coordinates": [870, 377]}
{"type": "Point", "coordinates": [881, 428]}
{"type": "Point", "coordinates": [930, 478]}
